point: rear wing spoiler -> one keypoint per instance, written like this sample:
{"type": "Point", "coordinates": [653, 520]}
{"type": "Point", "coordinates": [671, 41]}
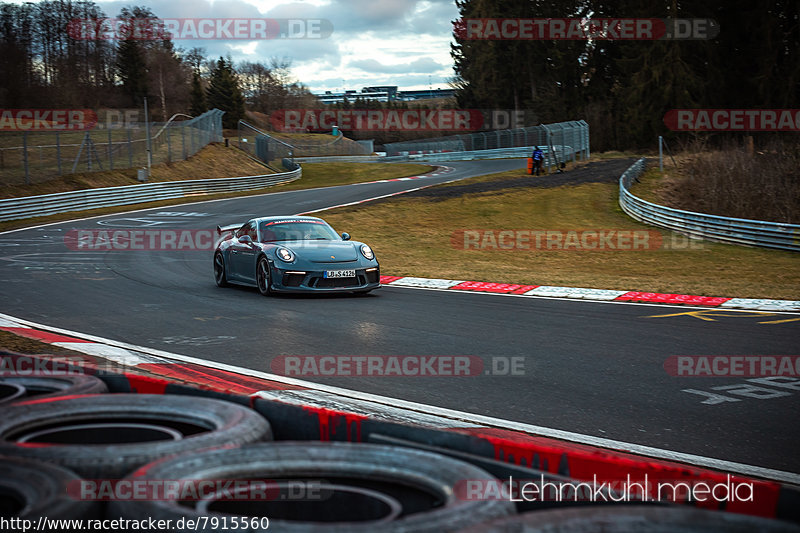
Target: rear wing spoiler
{"type": "Point", "coordinates": [226, 229]}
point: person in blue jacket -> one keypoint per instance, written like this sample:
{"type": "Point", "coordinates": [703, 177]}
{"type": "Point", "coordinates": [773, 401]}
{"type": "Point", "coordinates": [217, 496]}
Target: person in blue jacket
{"type": "Point", "coordinates": [538, 157]}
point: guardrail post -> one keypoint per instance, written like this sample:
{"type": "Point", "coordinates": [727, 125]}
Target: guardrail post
{"type": "Point", "coordinates": [110, 149]}
{"type": "Point", "coordinates": [25, 157]}
{"type": "Point", "coordinates": [58, 151]}
{"type": "Point", "coordinates": [586, 139]}
{"type": "Point", "coordinates": [183, 142]}
{"type": "Point", "coordinates": [130, 148]}
{"type": "Point", "coordinates": [149, 143]}
{"type": "Point", "coordinates": [548, 143]}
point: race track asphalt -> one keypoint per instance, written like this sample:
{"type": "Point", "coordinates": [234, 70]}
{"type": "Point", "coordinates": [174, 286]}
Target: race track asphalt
{"type": "Point", "coordinates": [589, 367]}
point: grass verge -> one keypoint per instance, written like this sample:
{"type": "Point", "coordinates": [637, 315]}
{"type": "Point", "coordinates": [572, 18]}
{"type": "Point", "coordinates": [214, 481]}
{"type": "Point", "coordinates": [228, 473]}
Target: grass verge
{"type": "Point", "coordinates": [412, 237]}
{"type": "Point", "coordinates": [16, 343]}
{"type": "Point", "coordinates": [331, 174]}
{"type": "Point", "coordinates": [213, 161]}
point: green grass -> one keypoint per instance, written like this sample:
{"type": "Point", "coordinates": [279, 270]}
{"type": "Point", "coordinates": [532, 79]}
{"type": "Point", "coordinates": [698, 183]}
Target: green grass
{"type": "Point", "coordinates": [330, 174]}
{"type": "Point", "coordinates": [412, 237]}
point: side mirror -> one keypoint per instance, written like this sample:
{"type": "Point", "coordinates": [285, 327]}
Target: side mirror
{"type": "Point", "coordinates": [345, 236]}
{"type": "Point", "coordinates": [245, 239]}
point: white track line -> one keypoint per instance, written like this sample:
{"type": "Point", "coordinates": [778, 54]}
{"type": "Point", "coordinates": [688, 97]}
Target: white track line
{"type": "Point", "coordinates": [469, 419]}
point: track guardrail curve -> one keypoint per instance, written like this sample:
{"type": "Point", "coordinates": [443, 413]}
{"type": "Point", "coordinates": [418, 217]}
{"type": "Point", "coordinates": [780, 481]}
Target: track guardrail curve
{"type": "Point", "coordinates": [705, 226]}
{"type": "Point", "coordinates": [62, 202]}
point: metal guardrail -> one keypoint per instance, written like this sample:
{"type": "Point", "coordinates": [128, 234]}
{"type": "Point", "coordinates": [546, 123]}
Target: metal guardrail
{"type": "Point", "coordinates": [342, 159]}
{"type": "Point", "coordinates": [701, 225]}
{"type": "Point", "coordinates": [50, 204]}
{"type": "Point", "coordinates": [498, 153]}
{"type": "Point", "coordinates": [561, 153]}
{"type": "Point", "coordinates": [574, 133]}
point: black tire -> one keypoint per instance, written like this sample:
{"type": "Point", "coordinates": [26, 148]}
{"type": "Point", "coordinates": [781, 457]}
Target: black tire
{"type": "Point", "coordinates": [621, 518]}
{"type": "Point", "coordinates": [31, 489]}
{"type": "Point", "coordinates": [220, 277]}
{"type": "Point", "coordinates": [51, 386]}
{"type": "Point", "coordinates": [262, 276]}
{"type": "Point", "coordinates": [128, 430]}
{"type": "Point", "coordinates": [422, 482]}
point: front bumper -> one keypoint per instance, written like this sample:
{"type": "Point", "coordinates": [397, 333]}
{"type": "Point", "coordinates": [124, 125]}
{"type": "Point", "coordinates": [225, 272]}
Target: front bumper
{"type": "Point", "coordinates": [293, 280]}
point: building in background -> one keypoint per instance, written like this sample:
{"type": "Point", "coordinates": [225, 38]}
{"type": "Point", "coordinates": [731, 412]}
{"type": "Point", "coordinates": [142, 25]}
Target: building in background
{"type": "Point", "coordinates": [383, 93]}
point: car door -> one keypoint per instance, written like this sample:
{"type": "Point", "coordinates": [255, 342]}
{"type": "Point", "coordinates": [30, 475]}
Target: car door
{"type": "Point", "coordinates": [242, 256]}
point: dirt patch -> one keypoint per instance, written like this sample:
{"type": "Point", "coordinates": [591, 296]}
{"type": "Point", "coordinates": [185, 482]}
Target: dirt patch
{"type": "Point", "coordinates": [593, 172]}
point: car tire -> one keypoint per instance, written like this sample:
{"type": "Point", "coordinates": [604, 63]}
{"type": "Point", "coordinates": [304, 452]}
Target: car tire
{"type": "Point", "coordinates": [40, 387]}
{"type": "Point", "coordinates": [110, 435]}
{"type": "Point", "coordinates": [220, 277]}
{"type": "Point", "coordinates": [32, 489]}
{"type": "Point", "coordinates": [263, 281]}
{"type": "Point", "coordinates": [622, 518]}
{"type": "Point", "coordinates": [362, 482]}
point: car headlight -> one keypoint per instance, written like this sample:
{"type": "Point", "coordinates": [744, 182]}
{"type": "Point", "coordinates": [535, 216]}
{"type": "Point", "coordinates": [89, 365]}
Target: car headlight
{"type": "Point", "coordinates": [285, 254]}
{"type": "Point", "coordinates": [367, 252]}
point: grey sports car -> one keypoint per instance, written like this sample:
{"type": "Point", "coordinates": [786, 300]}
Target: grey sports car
{"type": "Point", "coordinates": [293, 254]}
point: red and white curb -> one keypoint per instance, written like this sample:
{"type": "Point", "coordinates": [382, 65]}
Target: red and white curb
{"type": "Point", "coordinates": [605, 295]}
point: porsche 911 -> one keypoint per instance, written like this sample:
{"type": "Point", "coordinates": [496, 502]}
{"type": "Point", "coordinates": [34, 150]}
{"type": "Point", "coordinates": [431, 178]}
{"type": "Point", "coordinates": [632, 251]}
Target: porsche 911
{"type": "Point", "coordinates": [293, 254]}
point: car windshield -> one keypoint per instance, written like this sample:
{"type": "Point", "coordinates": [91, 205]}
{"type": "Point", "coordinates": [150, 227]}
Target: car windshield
{"type": "Point", "coordinates": [273, 231]}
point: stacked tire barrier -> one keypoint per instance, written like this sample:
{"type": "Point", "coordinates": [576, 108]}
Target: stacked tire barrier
{"type": "Point", "coordinates": [15, 387]}
{"type": "Point", "coordinates": [201, 459]}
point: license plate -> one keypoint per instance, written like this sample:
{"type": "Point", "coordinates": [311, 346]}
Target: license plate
{"type": "Point", "coordinates": [339, 274]}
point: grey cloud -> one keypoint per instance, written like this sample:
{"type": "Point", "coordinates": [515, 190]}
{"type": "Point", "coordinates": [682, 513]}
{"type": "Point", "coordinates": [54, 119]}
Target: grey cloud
{"type": "Point", "coordinates": [421, 65]}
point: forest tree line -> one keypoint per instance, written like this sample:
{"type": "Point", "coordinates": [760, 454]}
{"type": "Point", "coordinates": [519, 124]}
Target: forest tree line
{"type": "Point", "coordinates": [624, 88]}
{"type": "Point", "coordinates": [43, 65]}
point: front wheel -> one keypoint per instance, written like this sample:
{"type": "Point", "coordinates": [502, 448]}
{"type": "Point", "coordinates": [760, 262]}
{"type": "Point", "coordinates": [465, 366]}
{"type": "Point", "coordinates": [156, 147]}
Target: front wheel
{"type": "Point", "coordinates": [262, 276]}
{"type": "Point", "coordinates": [219, 270]}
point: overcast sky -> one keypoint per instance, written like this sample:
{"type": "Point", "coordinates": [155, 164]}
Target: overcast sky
{"type": "Point", "coordinates": [374, 42]}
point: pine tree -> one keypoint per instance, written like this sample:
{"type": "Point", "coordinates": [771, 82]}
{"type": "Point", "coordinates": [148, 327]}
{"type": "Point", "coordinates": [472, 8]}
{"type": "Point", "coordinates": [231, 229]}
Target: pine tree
{"type": "Point", "coordinates": [132, 70]}
{"type": "Point", "coordinates": [224, 93]}
{"type": "Point", "coordinates": [197, 97]}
